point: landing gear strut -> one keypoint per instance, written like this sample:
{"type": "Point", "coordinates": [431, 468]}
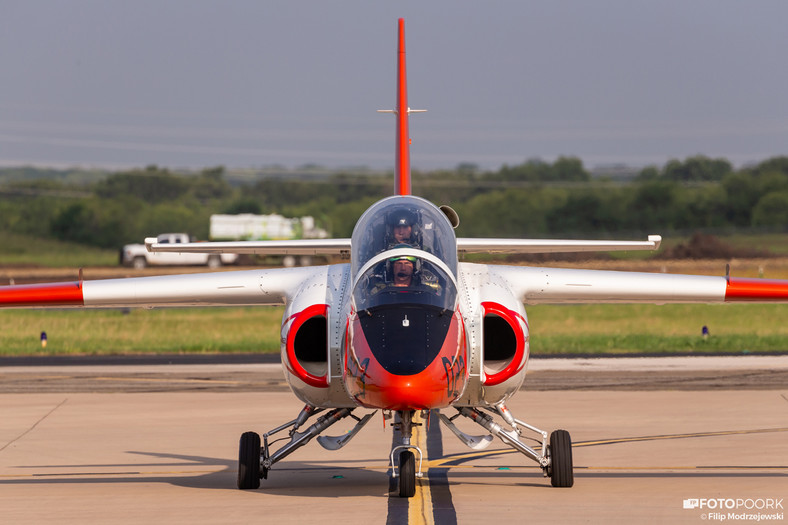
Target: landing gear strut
{"type": "Point", "coordinates": [555, 456]}
{"type": "Point", "coordinates": [255, 461]}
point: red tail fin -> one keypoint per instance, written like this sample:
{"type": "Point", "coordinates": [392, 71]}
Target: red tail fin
{"type": "Point", "coordinates": [402, 182]}
{"type": "Point", "coordinates": [402, 161]}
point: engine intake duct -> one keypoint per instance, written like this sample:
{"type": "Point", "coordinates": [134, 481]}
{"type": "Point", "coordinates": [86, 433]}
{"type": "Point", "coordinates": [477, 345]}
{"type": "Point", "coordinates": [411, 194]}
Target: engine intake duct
{"type": "Point", "coordinates": [503, 343]}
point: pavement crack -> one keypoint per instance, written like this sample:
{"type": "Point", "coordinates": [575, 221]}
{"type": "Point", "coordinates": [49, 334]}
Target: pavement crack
{"type": "Point", "coordinates": [34, 425]}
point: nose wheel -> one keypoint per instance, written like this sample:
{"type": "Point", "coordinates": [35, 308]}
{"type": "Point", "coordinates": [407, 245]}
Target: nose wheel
{"type": "Point", "coordinates": [407, 474]}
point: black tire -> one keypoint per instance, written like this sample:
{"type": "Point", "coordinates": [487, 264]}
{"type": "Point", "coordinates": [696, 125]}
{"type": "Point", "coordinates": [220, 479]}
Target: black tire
{"type": "Point", "coordinates": [249, 461]}
{"type": "Point", "coordinates": [407, 474]}
{"type": "Point", "coordinates": [139, 263]}
{"type": "Point", "coordinates": [561, 470]}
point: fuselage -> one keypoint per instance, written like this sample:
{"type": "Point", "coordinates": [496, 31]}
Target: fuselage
{"type": "Point", "coordinates": [405, 346]}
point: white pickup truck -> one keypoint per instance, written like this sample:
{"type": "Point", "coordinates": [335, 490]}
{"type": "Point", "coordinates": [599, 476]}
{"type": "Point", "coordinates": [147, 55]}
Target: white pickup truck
{"type": "Point", "coordinates": [137, 256]}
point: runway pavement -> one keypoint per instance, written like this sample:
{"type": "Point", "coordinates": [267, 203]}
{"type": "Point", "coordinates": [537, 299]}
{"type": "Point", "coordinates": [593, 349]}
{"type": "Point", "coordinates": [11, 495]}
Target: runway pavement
{"type": "Point", "coordinates": [159, 445]}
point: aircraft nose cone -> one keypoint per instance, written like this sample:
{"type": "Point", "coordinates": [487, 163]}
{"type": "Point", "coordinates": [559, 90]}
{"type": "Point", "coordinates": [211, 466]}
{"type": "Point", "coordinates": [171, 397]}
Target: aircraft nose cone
{"type": "Point", "coordinates": [416, 392]}
{"type": "Point", "coordinates": [395, 366]}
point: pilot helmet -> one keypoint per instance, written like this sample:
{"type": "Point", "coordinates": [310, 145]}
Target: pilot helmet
{"type": "Point", "coordinates": [402, 218]}
{"type": "Point", "coordinates": [413, 260]}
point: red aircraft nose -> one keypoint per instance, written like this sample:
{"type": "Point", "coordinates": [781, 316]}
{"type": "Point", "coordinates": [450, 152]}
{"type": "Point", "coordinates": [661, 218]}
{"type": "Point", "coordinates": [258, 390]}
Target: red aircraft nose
{"type": "Point", "coordinates": [405, 357]}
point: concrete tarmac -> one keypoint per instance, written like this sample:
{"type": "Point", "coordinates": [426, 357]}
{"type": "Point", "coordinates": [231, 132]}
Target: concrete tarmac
{"type": "Point", "coordinates": [75, 455]}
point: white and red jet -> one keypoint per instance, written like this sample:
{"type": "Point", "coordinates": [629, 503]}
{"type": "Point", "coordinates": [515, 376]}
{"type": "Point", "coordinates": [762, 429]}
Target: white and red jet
{"type": "Point", "coordinates": [404, 326]}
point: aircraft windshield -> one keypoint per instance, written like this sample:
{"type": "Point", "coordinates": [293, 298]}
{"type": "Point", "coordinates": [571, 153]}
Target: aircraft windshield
{"type": "Point", "coordinates": [399, 222]}
{"type": "Point", "coordinates": [399, 279]}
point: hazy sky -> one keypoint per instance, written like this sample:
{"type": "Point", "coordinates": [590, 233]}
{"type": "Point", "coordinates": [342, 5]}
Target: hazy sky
{"type": "Point", "coordinates": [248, 83]}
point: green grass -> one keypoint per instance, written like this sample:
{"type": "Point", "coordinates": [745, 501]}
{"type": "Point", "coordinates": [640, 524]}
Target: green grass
{"type": "Point", "coordinates": [637, 328]}
{"type": "Point", "coordinates": [738, 328]}
{"type": "Point", "coordinates": [187, 330]}
{"type": "Point", "coordinates": [21, 250]}
{"type": "Point", "coordinates": [770, 242]}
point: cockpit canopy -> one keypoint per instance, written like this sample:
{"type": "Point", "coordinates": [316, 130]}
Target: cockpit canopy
{"type": "Point", "coordinates": [403, 221]}
{"type": "Point", "coordinates": [404, 252]}
{"type": "Point", "coordinates": [398, 277]}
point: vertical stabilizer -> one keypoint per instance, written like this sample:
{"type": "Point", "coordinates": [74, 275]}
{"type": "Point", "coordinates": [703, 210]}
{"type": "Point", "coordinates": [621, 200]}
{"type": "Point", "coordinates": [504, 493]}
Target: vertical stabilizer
{"type": "Point", "coordinates": [402, 182]}
{"type": "Point", "coordinates": [402, 160]}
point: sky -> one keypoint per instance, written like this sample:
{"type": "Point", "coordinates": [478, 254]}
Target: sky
{"type": "Point", "coordinates": [249, 83]}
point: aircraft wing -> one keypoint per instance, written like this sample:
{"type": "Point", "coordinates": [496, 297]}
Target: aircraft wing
{"type": "Point", "coordinates": [234, 288]}
{"type": "Point", "coordinates": [537, 285]}
{"type": "Point", "coordinates": [284, 247]}
{"type": "Point", "coordinates": [470, 245]}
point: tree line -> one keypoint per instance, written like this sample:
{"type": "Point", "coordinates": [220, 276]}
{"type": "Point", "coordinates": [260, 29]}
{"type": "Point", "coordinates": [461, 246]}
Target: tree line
{"type": "Point", "coordinates": [532, 199]}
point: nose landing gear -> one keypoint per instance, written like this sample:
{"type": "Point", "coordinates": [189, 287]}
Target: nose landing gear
{"type": "Point", "coordinates": [406, 474]}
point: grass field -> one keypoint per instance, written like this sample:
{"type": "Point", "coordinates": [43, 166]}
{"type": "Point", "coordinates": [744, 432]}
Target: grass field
{"type": "Point", "coordinates": [20, 250]}
{"type": "Point", "coordinates": [137, 331]}
{"type": "Point", "coordinates": [738, 328]}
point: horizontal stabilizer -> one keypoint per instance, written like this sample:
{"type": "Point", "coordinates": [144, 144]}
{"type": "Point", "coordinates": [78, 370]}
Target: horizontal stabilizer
{"type": "Point", "coordinates": [342, 246]}
{"type": "Point", "coordinates": [285, 247]}
{"type": "Point", "coordinates": [468, 245]}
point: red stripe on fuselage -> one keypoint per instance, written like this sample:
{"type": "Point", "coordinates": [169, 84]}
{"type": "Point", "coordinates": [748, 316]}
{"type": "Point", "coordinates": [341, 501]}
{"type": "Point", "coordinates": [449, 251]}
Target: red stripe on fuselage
{"type": "Point", "coordinates": [49, 294]}
{"type": "Point", "coordinates": [756, 290]}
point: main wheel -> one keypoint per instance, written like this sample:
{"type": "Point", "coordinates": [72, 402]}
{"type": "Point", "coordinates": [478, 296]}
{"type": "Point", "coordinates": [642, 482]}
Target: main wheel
{"type": "Point", "coordinates": [560, 471]}
{"type": "Point", "coordinates": [139, 263]}
{"type": "Point", "coordinates": [407, 474]}
{"type": "Point", "coordinates": [249, 461]}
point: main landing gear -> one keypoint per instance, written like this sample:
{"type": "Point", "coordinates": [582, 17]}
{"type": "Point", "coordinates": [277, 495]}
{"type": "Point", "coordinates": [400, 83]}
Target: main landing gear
{"type": "Point", "coordinates": [555, 456]}
{"type": "Point", "coordinates": [255, 461]}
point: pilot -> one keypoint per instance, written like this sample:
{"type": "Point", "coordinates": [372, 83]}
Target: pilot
{"type": "Point", "coordinates": [402, 228]}
{"type": "Point", "coordinates": [402, 269]}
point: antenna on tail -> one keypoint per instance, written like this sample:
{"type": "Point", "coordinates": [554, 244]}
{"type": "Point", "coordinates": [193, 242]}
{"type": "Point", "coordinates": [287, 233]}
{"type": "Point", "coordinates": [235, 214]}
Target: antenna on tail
{"type": "Point", "coordinates": [402, 151]}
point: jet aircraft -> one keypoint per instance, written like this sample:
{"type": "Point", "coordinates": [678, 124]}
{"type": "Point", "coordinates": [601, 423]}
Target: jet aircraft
{"type": "Point", "coordinates": [404, 327]}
